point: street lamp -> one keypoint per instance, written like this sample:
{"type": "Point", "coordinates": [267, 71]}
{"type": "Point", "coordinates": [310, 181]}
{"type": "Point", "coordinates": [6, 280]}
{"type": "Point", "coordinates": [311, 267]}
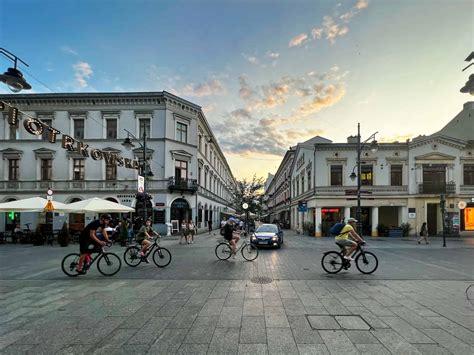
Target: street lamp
{"type": "Point", "coordinates": [145, 171]}
{"type": "Point", "coordinates": [13, 77]}
{"type": "Point", "coordinates": [353, 176]}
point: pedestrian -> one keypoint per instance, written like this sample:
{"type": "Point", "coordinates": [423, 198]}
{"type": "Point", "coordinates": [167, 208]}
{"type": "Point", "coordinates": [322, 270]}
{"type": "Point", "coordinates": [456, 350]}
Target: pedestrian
{"type": "Point", "coordinates": [209, 223]}
{"type": "Point", "coordinates": [184, 232]}
{"type": "Point", "coordinates": [424, 234]}
{"type": "Point", "coordinates": [191, 232]}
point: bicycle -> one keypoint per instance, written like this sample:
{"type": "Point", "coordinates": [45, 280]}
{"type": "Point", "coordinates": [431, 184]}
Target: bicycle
{"type": "Point", "coordinates": [334, 261]}
{"type": "Point", "coordinates": [161, 256]}
{"type": "Point", "coordinates": [224, 250]}
{"type": "Point", "coordinates": [108, 263]}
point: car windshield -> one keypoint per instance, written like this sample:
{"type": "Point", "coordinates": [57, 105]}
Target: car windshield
{"type": "Point", "coordinates": [267, 228]}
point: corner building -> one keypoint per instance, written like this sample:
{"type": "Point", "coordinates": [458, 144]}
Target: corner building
{"type": "Point", "coordinates": [190, 175]}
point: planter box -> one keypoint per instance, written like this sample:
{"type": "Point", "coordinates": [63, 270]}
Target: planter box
{"type": "Point", "coordinates": [395, 232]}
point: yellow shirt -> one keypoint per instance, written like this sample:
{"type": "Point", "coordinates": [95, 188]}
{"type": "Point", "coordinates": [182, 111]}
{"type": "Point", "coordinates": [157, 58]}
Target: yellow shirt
{"type": "Point", "coordinates": [345, 232]}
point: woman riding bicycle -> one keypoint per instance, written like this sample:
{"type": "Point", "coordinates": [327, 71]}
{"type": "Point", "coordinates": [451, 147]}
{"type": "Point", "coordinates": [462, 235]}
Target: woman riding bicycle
{"type": "Point", "coordinates": [229, 235]}
{"type": "Point", "coordinates": [143, 237]}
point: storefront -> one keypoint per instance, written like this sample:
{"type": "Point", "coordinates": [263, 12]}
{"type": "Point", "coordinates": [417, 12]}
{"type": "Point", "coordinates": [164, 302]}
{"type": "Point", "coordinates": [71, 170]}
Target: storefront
{"type": "Point", "coordinates": [180, 211]}
{"type": "Point", "coordinates": [467, 217]}
{"type": "Point", "coordinates": [329, 217]}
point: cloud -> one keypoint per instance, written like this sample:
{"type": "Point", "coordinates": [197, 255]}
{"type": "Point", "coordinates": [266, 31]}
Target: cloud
{"type": "Point", "coordinates": [68, 50]}
{"type": "Point", "coordinates": [297, 40]}
{"type": "Point", "coordinates": [245, 91]}
{"type": "Point", "coordinates": [273, 55]}
{"type": "Point", "coordinates": [209, 88]}
{"type": "Point", "coordinates": [324, 96]}
{"type": "Point", "coordinates": [82, 71]}
{"type": "Point", "coordinates": [396, 138]}
{"type": "Point", "coordinates": [332, 26]}
{"type": "Point", "coordinates": [251, 59]}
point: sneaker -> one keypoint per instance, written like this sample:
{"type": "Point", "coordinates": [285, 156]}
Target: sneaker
{"type": "Point", "coordinates": [348, 258]}
{"type": "Point", "coordinates": [146, 260]}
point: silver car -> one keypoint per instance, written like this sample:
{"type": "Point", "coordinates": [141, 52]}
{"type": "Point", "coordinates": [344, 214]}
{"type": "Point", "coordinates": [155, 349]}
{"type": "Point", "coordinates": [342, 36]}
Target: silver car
{"type": "Point", "coordinates": [267, 235]}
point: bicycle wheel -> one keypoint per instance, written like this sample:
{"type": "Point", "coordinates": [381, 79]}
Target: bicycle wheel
{"type": "Point", "coordinates": [223, 251]}
{"type": "Point", "coordinates": [109, 264]}
{"type": "Point", "coordinates": [332, 262]}
{"type": "Point", "coordinates": [69, 264]}
{"type": "Point", "coordinates": [249, 252]}
{"type": "Point", "coordinates": [131, 257]}
{"type": "Point", "coordinates": [366, 262]}
{"type": "Point", "coordinates": [161, 257]}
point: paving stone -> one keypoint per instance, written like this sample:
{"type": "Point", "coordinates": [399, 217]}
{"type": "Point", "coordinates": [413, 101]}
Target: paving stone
{"type": "Point", "coordinates": [412, 318]}
{"type": "Point", "coordinates": [17, 349]}
{"type": "Point", "coordinates": [448, 341]}
{"type": "Point", "coordinates": [361, 337]}
{"type": "Point", "coordinates": [272, 299]}
{"type": "Point", "coordinates": [253, 307]}
{"type": "Point", "coordinates": [225, 341]}
{"type": "Point", "coordinates": [313, 349]}
{"type": "Point", "coordinates": [372, 349]}
{"type": "Point", "coordinates": [199, 334]}
{"type": "Point", "coordinates": [458, 331]}
{"type": "Point", "coordinates": [193, 349]}
{"type": "Point", "coordinates": [230, 317]}
{"type": "Point", "coordinates": [206, 321]}
{"type": "Point", "coordinates": [184, 318]}
{"type": "Point", "coordinates": [280, 341]}
{"type": "Point", "coordinates": [287, 292]}
{"type": "Point", "coordinates": [411, 334]}
{"type": "Point", "coordinates": [74, 349]}
{"type": "Point", "coordinates": [337, 342]}
{"type": "Point", "coordinates": [251, 349]}
{"type": "Point", "coordinates": [293, 307]}
{"type": "Point", "coordinates": [212, 307]}
{"type": "Point", "coordinates": [394, 342]}
{"type": "Point", "coordinates": [335, 307]}
{"type": "Point", "coordinates": [352, 322]}
{"type": "Point", "coordinates": [253, 330]}
{"type": "Point", "coordinates": [432, 349]}
{"type": "Point", "coordinates": [235, 299]}
{"type": "Point", "coordinates": [219, 292]}
{"type": "Point", "coordinates": [323, 322]}
{"type": "Point", "coordinates": [168, 341]}
{"type": "Point", "coordinates": [150, 331]}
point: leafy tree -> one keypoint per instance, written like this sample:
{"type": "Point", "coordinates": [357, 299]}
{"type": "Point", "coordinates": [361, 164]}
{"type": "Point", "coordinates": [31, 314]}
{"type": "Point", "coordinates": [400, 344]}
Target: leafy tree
{"type": "Point", "coordinates": [250, 192]}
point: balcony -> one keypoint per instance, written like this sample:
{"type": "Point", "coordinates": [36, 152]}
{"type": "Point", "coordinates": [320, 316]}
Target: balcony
{"type": "Point", "coordinates": [379, 190]}
{"type": "Point", "coordinates": [437, 188]}
{"type": "Point", "coordinates": [182, 185]}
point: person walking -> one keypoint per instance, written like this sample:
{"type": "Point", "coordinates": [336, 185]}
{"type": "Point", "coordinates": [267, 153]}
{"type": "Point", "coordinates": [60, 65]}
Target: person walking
{"type": "Point", "coordinates": [191, 232]}
{"type": "Point", "coordinates": [184, 232]}
{"type": "Point", "coordinates": [209, 224]}
{"type": "Point", "coordinates": [424, 234]}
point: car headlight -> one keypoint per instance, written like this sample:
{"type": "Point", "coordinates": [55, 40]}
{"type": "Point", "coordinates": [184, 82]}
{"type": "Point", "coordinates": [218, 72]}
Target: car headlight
{"type": "Point", "coordinates": [254, 237]}
{"type": "Point", "coordinates": [275, 238]}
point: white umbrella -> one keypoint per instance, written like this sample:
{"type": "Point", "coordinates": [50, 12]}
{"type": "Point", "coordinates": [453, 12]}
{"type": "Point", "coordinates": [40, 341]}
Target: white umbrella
{"type": "Point", "coordinates": [98, 205]}
{"type": "Point", "coordinates": [33, 204]}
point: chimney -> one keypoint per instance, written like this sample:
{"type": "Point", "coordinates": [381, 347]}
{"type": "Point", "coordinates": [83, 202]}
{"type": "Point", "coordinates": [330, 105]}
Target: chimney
{"type": "Point", "coordinates": [352, 139]}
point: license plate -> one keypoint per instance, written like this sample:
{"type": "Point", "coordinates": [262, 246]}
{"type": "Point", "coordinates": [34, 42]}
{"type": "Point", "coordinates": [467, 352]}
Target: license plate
{"type": "Point", "coordinates": [263, 242]}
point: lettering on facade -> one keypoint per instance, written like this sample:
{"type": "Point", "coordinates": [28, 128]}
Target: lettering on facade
{"type": "Point", "coordinates": [300, 162]}
{"type": "Point", "coordinates": [35, 127]}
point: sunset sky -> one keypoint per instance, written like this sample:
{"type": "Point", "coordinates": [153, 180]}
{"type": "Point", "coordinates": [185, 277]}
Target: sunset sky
{"type": "Point", "coordinates": [268, 74]}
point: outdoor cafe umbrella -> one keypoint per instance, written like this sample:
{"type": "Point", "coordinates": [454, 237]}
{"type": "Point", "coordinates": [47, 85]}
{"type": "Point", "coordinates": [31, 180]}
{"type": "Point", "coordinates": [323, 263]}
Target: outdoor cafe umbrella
{"type": "Point", "coordinates": [33, 204]}
{"type": "Point", "coordinates": [98, 205]}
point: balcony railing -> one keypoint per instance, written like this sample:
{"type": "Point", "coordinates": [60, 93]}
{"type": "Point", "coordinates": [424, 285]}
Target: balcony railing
{"type": "Point", "coordinates": [437, 188]}
{"type": "Point", "coordinates": [183, 185]}
{"type": "Point", "coordinates": [467, 189]}
{"type": "Point", "coordinates": [206, 193]}
{"type": "Point", "coordinates": [376, 190]}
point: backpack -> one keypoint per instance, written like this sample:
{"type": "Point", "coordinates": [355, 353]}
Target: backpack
{"type": "Point", "coordinates": [336, 229]}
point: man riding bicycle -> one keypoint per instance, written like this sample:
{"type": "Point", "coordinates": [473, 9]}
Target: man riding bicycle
{"type": "Point", "coordinates": [229, 235]}
{"type": "Point", "coordinates": [144, 236]}
{"type": "Point", "coordinates": [89, 237]}
{"type": "Point", "coordinates": [343, 238]}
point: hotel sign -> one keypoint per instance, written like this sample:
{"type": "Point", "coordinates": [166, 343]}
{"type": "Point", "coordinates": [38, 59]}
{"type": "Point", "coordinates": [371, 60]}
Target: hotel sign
{"type": "Point", "coordinates": [36, 127]}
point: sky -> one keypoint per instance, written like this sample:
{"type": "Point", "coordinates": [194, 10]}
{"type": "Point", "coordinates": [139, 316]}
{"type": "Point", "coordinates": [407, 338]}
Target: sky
{"type": "Point", "coordinates": [267, 73]}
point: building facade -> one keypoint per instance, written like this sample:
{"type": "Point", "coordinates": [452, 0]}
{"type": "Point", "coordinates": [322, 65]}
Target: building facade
{"type": "Point", "coordinates": [401, 182]}
{"type": "Point", "coordinates": [186, 172]}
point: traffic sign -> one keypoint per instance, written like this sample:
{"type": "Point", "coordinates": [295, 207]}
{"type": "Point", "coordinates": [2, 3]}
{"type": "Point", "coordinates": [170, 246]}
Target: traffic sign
{"type": "Point", "coordinates": [141, 184]}
{"type": "Point", "coordinates": [245, 205]}
{"type": "Point", "coordinates": [462, 205]}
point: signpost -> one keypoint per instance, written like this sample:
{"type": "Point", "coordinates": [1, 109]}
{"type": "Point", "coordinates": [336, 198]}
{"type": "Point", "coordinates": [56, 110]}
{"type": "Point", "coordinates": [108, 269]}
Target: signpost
{"type": "Point", "coordinates": [141, 184]}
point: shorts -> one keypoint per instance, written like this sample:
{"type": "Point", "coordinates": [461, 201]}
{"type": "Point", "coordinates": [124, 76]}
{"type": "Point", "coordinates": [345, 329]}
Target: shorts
{"type": "Point", "coordinates": [347, 243]}
{"type": "Point", "coordinates": [85, 246]}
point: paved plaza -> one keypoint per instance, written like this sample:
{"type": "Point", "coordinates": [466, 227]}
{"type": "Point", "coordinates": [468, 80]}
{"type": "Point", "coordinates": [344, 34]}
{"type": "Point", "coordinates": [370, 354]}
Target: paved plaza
{"type": "Point", "coordinates": [417, 302]}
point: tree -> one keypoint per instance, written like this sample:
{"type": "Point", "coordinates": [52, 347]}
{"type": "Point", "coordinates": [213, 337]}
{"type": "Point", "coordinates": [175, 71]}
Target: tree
{"type": "Point", "coordinates": [250, 192]}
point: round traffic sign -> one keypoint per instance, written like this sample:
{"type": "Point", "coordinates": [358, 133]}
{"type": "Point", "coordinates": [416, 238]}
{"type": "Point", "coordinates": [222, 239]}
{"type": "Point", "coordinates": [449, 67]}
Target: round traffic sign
{"type": "Point", "coordinates": [50, 192]}
{"type": "Point", "coordinates": [462, 205]}
{"type": "Point", "coordinates": [245, 205]}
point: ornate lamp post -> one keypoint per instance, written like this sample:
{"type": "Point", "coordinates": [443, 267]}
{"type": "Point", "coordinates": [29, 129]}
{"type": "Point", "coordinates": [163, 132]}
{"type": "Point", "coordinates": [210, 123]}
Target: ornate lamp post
{"type": "Point", "coordinates": [353, 176]}
{"type": "Point", "coordinates": [13, 77]}
{"type": "Point", "coordinates": [145, 171]}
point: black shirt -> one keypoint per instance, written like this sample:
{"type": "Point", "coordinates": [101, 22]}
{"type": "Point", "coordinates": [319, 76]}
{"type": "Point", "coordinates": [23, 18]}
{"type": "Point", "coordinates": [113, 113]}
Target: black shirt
{"type": "Point", "coordinates": [228, 231]}
{"type": "Point", "coordinates": [94, 225]}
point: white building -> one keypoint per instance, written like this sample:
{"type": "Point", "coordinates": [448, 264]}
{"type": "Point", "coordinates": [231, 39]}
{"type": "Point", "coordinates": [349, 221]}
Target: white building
{"type": "Point", "coordinates": [191, 177]}
{"type": "Point", "coordinates": [401, 182]}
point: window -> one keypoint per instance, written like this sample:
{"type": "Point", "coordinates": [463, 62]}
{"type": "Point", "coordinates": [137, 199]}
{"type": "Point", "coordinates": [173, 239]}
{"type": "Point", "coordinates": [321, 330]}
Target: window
{"type": "Point", "coordinates": [205, 179]}
{"type": "Point", "coordinates": [110, 172]}
{"type": "Point", "coordinates": [181, 132]}
{"type": "Point", "coordinates": [180, 170]}
{"type": "Point", "coordinates": [309, 179]}
{"type": "Point", "coordinates": [366, 175]}
{"type": "Point", "coordinates": [200, 143]}
{"type": "Point", "coordinates": [111, 128]}
{"type": "Point", "coordinates": [396, 175]}
{"type": "Point", "coordinates": [144, 127]}
{"type": "Point", "coordinates": [336, 175]}
{"type": "Point", "coordinates": [302, 183]}
{"type": "Point", "coordinates": [199, 175]}
{"type": "Point", "coordinates": [45, 135]}
{"type": "Point", "coordinates": [78, 169]}
{"type": "Point", "coordinates": [46, 169]}
{"type": "Point", "coordinates": [205, 150]}
{"type": "Point", "coordinates": [297, 186]}
{"type": "Point", "coordinates": [468, 174]}
{"type": "Point", "coordinates": [13, 169]}
{"type": "Point", "coordinates": [79, 128]}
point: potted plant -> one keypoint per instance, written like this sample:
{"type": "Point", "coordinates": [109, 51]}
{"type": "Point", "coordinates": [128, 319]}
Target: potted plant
{"type": "Point", "coordinates": [308, 227]}
{"type": "Point", "coordinates": [406, 228]}
{"type": "Point", "coordinates": [382, 230]}
{"type": "Point", "coordinates": [63, 236]}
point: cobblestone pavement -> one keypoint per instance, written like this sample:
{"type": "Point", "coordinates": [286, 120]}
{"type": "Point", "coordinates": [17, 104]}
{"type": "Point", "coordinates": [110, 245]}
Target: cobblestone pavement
{"type": "Point", "coordinates": [198, 305]}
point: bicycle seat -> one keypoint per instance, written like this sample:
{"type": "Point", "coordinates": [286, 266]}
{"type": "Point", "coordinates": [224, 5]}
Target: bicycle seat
{"type": "Point", "coordinates": [340, 245]}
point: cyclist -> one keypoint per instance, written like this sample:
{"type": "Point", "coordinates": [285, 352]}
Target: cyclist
{"type": "Point", "coordinates": [343, 238]}
{"type": "Point", "coordinates": [230, 236]}
{"type": "Point", "coordinates": [88, 236]}
{"type": "Point", "coordinates": [143, 237]}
